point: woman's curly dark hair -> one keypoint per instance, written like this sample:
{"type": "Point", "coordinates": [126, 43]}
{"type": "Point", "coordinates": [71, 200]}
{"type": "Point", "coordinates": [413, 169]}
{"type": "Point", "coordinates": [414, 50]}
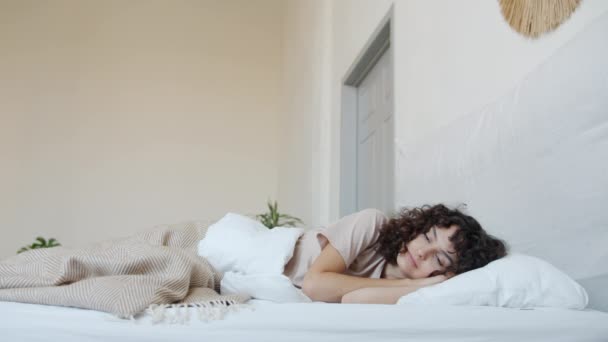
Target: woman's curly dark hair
{"type": "Point", "coordinates": [474, 247]}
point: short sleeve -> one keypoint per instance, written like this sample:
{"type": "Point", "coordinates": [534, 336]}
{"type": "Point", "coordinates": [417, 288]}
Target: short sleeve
{"type": "Point", "coordinates": [352, 234]}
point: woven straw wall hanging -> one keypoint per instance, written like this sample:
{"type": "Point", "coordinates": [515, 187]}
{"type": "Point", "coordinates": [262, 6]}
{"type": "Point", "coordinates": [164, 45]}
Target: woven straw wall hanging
{"type": "Point", "coordinates": [535, 17]}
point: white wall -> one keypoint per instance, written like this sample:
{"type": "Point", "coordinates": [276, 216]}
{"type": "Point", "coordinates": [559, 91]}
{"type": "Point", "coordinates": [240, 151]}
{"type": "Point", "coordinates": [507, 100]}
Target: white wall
{"type": "Point", "coordinates": [119, 115]}
{"type": "Point", "coordinates": [306, 72]}
{"type": "Point", "coordinates": [458, 56]}
{"type": "Point", "coordinates": [451, 57]}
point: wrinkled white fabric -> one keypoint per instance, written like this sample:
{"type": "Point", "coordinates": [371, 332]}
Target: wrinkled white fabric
{"type": "Point", "coordinates": [238, 243]}
{"type": "Point", "coordinates": [252, 257]}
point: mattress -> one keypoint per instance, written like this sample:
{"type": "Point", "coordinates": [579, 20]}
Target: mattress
{"type": "Point", "coordinates": [268, 321]}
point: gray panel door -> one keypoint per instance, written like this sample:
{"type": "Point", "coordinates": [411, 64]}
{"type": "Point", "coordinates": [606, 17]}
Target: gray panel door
{"type": "Point", "coordinates": [375, 187]}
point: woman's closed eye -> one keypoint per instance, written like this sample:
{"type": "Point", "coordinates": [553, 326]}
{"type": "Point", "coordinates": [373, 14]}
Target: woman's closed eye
{"type": "Point", "coordinates": [436, 255]}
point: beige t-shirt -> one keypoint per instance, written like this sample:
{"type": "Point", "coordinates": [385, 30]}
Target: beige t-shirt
{"type": "Point", "coordinates": [352, 236]}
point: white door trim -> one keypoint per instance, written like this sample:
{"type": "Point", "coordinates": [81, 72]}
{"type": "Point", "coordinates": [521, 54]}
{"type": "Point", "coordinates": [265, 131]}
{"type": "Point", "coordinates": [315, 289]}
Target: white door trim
{"type": "Point", "coordinates": [377, 44]}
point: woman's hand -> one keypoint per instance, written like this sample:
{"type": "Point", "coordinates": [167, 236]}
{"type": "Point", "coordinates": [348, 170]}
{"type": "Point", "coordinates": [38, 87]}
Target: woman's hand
{"type": "Point", "coordinates": [423, 282]}
{"type": "Point", "coordinates": [390, 295]}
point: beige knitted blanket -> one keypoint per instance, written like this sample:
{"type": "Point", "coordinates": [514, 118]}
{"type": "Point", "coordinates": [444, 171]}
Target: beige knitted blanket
{"type": "Point", "coordinates": [151, 270]}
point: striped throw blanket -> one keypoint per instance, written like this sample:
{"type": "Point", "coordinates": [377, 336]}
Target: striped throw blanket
{"type": "Point", "coordinates": [151, 270]}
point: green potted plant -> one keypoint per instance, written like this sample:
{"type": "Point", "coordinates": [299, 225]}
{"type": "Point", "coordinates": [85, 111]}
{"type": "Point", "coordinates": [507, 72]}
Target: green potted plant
{"type": "Point", "coordinates": [273, 218]}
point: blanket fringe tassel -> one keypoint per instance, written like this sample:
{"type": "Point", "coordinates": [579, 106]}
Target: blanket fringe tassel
{"type": "Point", "coordinates": [207, 311]}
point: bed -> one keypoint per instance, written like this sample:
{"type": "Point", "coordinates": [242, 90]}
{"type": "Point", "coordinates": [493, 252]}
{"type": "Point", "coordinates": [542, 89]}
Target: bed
{"type": "Point", "coordinates": [541, 154]}
{"type": "Point", "coordinates": [268, 321]}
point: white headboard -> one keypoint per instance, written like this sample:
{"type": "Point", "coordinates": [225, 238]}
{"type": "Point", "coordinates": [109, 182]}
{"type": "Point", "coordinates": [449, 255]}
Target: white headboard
{"type": "Point", "coordinates": [533, 166]}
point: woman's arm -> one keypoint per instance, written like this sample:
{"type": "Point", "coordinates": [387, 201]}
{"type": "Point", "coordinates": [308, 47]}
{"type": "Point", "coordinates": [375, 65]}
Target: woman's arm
{"type": "Point", "coordinates": [376, 295]}
{"type": "Point", "coordinates": [326, 282]}
{"type": "Point", "coordinates": [389, 295]}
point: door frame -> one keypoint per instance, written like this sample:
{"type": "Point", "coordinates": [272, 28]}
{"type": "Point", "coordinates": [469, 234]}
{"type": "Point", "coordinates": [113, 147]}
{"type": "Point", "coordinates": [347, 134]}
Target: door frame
{"type": "Point", "coordinates": [377, 44]}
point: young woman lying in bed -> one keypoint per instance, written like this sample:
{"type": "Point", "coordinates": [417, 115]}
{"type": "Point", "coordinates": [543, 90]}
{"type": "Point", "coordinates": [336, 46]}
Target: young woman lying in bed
{"type": "Point", "coordinates": [366, 257]}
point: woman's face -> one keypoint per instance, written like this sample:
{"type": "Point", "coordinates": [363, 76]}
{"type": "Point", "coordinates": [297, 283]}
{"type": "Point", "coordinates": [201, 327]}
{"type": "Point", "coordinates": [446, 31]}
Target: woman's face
{"type": "Point", "coordinates": [427, 253]}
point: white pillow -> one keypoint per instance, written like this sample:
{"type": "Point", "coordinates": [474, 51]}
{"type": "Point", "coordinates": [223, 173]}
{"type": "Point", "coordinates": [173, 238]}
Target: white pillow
{"type": "Point", "coordinates": [515, 281]}
{"type": "Point", "coordinates": [241, 244]}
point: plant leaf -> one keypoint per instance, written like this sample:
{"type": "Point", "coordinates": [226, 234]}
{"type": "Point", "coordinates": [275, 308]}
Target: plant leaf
{"type": "Point", "coordinates": [40, 242]}
{"type": "Point", "coordinates": [291, 218]}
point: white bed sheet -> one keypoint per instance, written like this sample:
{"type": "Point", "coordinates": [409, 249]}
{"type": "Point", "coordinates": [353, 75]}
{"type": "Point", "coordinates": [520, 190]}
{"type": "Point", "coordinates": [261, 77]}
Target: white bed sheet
{"type": "Point", "coordinates": [268, 321]}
